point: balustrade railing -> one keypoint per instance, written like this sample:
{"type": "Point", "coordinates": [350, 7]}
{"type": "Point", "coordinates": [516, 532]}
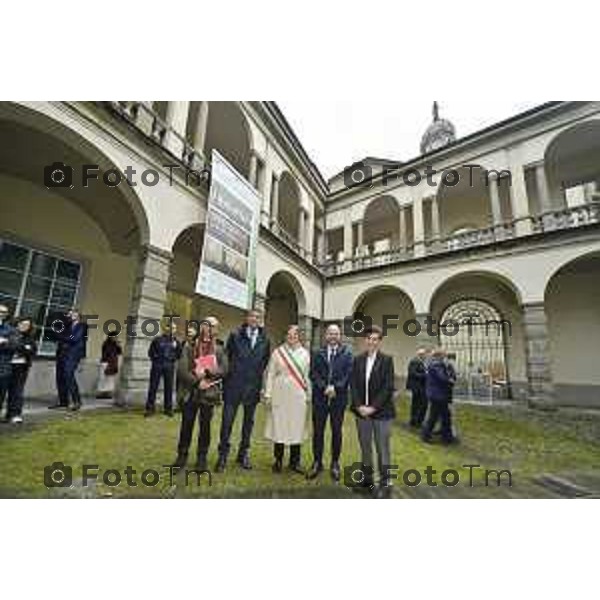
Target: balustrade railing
{"type": "Point", "coordinates": [568, 218]}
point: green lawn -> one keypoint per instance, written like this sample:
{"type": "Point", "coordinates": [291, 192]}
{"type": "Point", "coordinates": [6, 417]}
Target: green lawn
{"type": "Point", "coordinates": [528, 443]}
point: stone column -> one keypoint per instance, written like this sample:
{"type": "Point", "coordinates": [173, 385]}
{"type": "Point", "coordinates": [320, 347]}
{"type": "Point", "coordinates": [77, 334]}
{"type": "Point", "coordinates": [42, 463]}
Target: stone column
{"type": "Point", "coordinates": [518, 198]}
{"type": "Point", "coordinates": [360, 234]}
{"type": "Point", "coordinates": [310, 231]}
{"type": "Point", "coordinates": [147, 302]}
{"type": "Point", "coordinates": [348, 237]}
{"type": "Point", "coordinates": [494, 187]}
{"type": "Point", "coordinates": [275, 200]}
{"type": "Point", "coordinates": [306, 326]}
{"type": "Point", "coordinates": [418, 227]}
{"type": "Point", "coordinates": [177, 116]}
{"type": "Point", "coordinates": [201, 125]}
{"type": "Point", "coordinates": [402, 232]}
{"type": "Point", "coordinates": [435, 218]}
{"type": "Point", "coordinates": [537, 355]}
{"type": "Point", "coordinates": [302, 230]}
{"type": "Point", "coordinates": [253, 171]}
{"type": "Point", "coordinates": [542, 188]}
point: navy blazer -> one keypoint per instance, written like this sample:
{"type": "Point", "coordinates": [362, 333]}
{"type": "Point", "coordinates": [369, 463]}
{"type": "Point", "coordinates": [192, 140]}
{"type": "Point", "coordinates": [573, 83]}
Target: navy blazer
{"type": "Point", "coordinates": [337, 374]}
{"type": "Point", "coordinates": [246, 366]}
{"type": "Point", "coordinates": [440, 379]}
{"type": "Point", "coordinates": [72, 342]}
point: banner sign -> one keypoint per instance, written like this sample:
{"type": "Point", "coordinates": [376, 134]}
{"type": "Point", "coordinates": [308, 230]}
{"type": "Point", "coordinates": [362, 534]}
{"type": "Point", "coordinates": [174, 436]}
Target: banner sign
{"type": "Point", "coordinates": [228, 265]}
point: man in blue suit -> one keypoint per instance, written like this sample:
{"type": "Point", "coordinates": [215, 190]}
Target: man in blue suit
{"type": "Point", "coordinates": [71, 337]}
{"type": "Point", "coordinates": [439, 383]}
{"type": "Point", "coordinates": [248, 351]}
{"type": "Point", "coordinates": [330, 375]}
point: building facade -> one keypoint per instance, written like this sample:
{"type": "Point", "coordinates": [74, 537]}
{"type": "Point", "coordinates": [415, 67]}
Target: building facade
{"type": "Point", "coordinates": [505, 236]}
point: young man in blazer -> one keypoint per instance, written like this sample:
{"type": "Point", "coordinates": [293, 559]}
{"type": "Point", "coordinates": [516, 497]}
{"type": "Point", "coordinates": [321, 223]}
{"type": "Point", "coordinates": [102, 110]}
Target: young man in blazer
{"type": "Point", "coordinates": [330, 376]}
{"type": "Point", "coordinates": [372, 386]}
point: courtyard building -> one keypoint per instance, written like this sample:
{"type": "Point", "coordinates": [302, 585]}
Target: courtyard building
{"type": "Point", "coordinates": [504, 239]}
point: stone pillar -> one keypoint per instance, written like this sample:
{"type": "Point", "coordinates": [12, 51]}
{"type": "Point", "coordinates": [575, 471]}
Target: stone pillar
{"type": "Point", "coordinates": [253, 171]}
{"type": "Point", "coordinates": [418, 227]}
{"type": "Point", "coordinates": [402, 232]}
{"type": "Point", "coordinates": [494, 187]}
{"type": "Point", "coordinates": [542, 188]}
{"type": "Point", "coordinates": [275, 200]}
{"type": "Point", "coordinates": [177, 116]}
{"type": "Point", "coordinates": [201, 125]}
{"type": "Point", "coordinates": [260, 304]}
{"type": "Point", "coordinates": [539, 369]}
{"type": "Point", "coordinates": [518, 198]}
{"type": "Point", "coordinates": [435, 218]}
{"type": "Point", "coordinates": [310, 231]}
{"type": "Point", "coordinates": [348, 237]}
{"type": "Point", "coordinates": [147, 302]}
{"type": "Point", "coordinates": [360, 234]}
{"type": "Point", "coordinates": [306, 325]}
{"type": "Point", "coordinates": [302, 230]}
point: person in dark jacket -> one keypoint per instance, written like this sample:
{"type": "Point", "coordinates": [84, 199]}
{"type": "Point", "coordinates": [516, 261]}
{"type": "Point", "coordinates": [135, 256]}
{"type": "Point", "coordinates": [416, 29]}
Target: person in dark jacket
{"type": "Point", "coordinates": [109, 366]}
{"type": "Point", "coordinates": [415, 382]}
{"type": "Point", "coordinates": [7, 347]}
{"type": "Point", "coordinates": [330, 376]}
{"type": "Point", "coordinates": [71, 337]}
{"type": "Point", "coordinates": [372, 390]}
{"type": "Point", "coordinates": [204, 392]}
{"type": "Point", "coordinates": [439, 383]}
{"type": "Point", "coordinates": [164, 352]}
{"type": "Point", "coordinates": [25, 350]}
{"type": "Point", "coordinates": [248, 350]}
{"type": "Point", "coordinates": [182, 387]}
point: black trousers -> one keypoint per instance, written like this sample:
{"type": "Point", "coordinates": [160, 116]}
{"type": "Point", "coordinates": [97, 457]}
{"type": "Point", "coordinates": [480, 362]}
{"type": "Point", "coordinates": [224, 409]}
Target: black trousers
{"type": "Point", "coordinates": [279, 450]}
{"type": "Point", "coordinates": [418, 407]}
{"type": "Point", "coordinates": [4, 387]}
{"type": "Point", "coordinates": [229, 413]}
{"type": "Point", "coordinates": [66, 381]}
{"type": "Point", "coordinates": [166, 372]}
{"type": "Point", "coordinates": [16, 390]}
{"type": "Point", "coordinates": [192, 408]}
{"type": "Point", "coordinates": [439, 411]}
{"type": "Point", "coordinates": [322, 410]}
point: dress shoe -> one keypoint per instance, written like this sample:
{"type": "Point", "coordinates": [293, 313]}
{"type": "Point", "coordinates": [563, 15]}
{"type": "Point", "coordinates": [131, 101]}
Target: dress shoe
{"type": "Point", "coordinates": [335, 471]}
{"type": "Point", "coordinates": [180, 461]}
{"type": "Point", "coordinates": [221, 464]}
{"type": "Point", "coordinates": [76, 406]}
{"type": "Point", "coordinates": [277, 466]}
{"type": "Point", "coordinates": [296, 468]}
{"type": "Point", "coordinates": [201, 464]}
{"type": "Point", "coordinates": [314, 471]}
{"type": "Point", "coordinates": [57, 406]}
{"type": "Point", "coordinates": [244, 462]}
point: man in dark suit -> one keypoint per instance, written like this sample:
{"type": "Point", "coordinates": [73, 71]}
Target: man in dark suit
{"type": "Point", "coordinates": [415, 382]}
{"type": "Point", "coordinates": [71, 336]}
{"type": "Point", "coordinates": [8, 341]}
{"type": "Point", "coordinates": [248, 352]}
{"type": "Point", "coordinates": [164, 352]}
{"type": "Point", "coordinates": [372, 388]}
{"type": "Point", "coordinates": [440, 381]}
{"type": "Point", "coordinates": [330, 375]}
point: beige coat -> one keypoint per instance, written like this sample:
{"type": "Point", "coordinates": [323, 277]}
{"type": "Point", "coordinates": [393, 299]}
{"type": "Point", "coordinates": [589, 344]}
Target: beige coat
{"type": "Point", "coordinates": [287, 402]}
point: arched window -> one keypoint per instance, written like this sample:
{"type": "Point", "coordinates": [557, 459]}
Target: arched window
{"type": "Point", "coordinates": [477, 348]}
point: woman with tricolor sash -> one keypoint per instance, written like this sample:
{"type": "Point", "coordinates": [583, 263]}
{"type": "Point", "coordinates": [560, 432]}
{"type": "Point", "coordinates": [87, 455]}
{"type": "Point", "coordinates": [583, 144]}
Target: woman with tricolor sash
{"type": "Point", "coordinates": [286, 395]}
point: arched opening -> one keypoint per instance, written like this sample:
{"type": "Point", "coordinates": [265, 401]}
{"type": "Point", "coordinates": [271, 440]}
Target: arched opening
{"type": "Point", "coordinates": [483, 334]}
{"type": "Point", "coordinates": [63, 246]}
{"type": "Point", "coordinates": [464, 207]}
{"type": "Point", "coordinates": [182, 298]}
{"type": "Point", "coordinates": [381, 225]}
{"type": "Point", "coordinates": [289, 206]}
{"type": "Point", "coordinates": [572, 166]}
{"type": "Point", "coordinates": [377, 302]}
{"type": "Point", "coordinates": [228, 133]}
{"type": "Point", "coordinates": [283, 306]}
{"type": "Point", "coordinates": [572, 302]}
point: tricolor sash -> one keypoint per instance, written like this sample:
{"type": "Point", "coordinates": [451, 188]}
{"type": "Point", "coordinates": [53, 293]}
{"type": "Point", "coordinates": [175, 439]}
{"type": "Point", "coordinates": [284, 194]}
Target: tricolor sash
{"type": "Point", "coordinates": [293, 367]}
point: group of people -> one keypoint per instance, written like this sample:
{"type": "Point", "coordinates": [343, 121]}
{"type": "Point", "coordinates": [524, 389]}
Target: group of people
{"type": "Point", "coordinates": [17, 349]}
{"type": "Point", "coordinates": [243, 372]}
{"type": "Point", "coordinates": [431, 378]}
